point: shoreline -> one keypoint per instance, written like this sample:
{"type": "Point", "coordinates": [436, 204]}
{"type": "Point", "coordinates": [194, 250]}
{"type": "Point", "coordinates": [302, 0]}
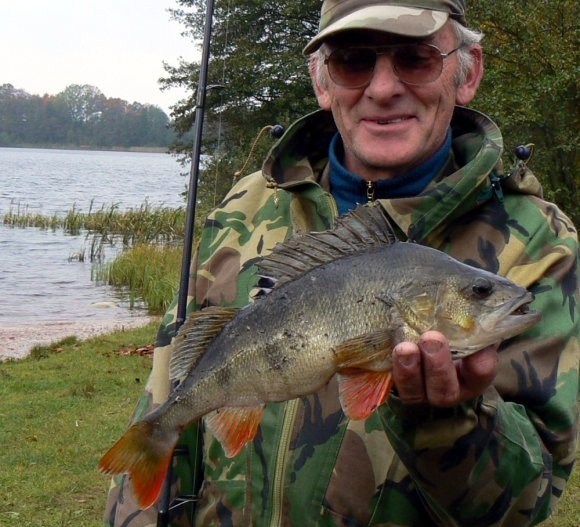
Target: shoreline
{"type": "Point", "coordinates": [17, 340]}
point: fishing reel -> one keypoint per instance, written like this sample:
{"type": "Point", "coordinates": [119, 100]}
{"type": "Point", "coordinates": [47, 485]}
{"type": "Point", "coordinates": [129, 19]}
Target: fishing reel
{"type": "Point", "coordinates": [523, 154]}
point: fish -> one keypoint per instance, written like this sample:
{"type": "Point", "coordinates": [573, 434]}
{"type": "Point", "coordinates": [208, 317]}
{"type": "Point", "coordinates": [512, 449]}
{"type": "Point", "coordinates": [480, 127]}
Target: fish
{"type": "Point", "coordinates": [330, 303]}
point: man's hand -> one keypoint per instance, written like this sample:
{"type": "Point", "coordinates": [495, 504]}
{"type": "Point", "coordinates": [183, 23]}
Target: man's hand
{"type": "Point", "coordinates": [426, 373]}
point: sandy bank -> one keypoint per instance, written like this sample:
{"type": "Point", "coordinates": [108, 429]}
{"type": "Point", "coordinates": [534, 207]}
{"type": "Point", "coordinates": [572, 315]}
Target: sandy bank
{"type": "Point", "coordinates": [16, 341]}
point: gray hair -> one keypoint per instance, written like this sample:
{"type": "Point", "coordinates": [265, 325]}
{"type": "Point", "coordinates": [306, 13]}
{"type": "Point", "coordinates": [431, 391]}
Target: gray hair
{"type": "Point", "coordinates": [466, 39]}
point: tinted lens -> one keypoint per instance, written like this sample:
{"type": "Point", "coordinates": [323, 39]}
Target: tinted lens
{"type": "Point", "coordinates": [413, 64]}
{"type": "Point", "coordinates": [418, 63]}
{"type": "Point", "coordinates": [351, 67]}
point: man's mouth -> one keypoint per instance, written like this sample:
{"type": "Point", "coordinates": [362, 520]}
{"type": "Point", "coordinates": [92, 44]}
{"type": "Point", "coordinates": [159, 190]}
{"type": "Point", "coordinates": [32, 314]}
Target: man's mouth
{"type": "Point", "coordinates": [395, 120]}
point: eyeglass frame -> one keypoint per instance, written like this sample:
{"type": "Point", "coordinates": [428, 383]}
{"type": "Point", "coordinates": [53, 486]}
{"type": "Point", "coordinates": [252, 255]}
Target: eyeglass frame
{"type": "Point", "coordinates": [384, 50]}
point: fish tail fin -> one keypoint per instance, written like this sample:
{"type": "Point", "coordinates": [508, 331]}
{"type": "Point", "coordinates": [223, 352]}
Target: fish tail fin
{"type": "Point", "coordinates": [145, 456]}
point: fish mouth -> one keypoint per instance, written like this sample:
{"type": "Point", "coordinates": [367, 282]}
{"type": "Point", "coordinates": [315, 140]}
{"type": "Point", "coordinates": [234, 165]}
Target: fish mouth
{"type": "Point", "coordinates": [512, 316]}
{"type": "Point", "coordinates": [509, 320]}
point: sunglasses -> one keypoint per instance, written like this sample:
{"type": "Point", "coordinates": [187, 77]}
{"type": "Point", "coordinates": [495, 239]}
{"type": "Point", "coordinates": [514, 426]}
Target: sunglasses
{"type": "Point", "coordinates": [414, 64]}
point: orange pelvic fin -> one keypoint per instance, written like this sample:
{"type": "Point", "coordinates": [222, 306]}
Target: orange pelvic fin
{"type": "Point", "coordinates": [362, 391]}
{"type": "Point", "coordinates": [234, 426]}
{"type": "Point", "coordinates": [143, 454]}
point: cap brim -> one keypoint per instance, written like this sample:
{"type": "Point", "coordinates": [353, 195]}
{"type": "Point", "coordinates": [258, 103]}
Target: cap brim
{"type": "Point", "coordinates": [398, 20]}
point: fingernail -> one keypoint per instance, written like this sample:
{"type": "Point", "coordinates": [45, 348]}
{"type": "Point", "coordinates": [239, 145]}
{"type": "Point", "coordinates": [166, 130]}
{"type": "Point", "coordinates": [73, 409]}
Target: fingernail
{"type": "Point", "coordinates": [431, 347]}
{"type": "Point", "coordinates": [408, 360]}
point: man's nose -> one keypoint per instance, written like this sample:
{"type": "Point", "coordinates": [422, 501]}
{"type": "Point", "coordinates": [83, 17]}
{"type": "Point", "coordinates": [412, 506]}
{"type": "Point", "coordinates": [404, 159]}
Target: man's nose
{"type": "Point", "coordinates": [384, 81]}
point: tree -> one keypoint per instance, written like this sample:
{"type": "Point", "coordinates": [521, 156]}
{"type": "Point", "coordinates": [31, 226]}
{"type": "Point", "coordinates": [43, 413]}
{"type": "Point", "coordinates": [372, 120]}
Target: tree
{"type": "Point", "coordinates": [80, 115]}
{"type": "Point", "coordinates": [529, 88]}
{"type": "Point", "coordinates": [13, 114]}
{"type": "Point", "coordinates": [83, 101]}
{"type": "Point", "coordinates": [256, 57]}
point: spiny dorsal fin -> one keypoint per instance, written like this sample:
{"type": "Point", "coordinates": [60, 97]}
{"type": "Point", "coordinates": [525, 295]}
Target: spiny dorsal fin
{"type": "Point", "coordinates": [194, 337]}
{"type": "Point", "coordinates": [364, 228]}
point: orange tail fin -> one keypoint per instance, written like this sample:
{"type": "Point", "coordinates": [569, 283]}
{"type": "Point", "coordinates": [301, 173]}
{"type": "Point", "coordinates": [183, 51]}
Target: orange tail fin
{"type": "Point", "coordinates": [143, 454]}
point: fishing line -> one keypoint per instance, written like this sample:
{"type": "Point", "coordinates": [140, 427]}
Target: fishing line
{"type": "Point", "coordinates": [218, 149]}
{"type": "Point", "coordinates": [220, 113]}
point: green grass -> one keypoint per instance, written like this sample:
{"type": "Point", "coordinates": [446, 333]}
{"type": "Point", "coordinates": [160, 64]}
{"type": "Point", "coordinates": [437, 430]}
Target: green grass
{"type": "Point", "coordinates": [143, 224]}
{"type": "Point", "coordinates": [151, 239]}
{"type": "Point", "coordinates": [108, 226]}
{"type": "Point", "coordinates": [63, 407]}
{"type": "Point", "coordinates": [149, 272]}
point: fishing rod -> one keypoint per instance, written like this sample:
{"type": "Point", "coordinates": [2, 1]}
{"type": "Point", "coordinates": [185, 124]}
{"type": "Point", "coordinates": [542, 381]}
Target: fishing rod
{"type": "Point", "coordinates": [164, 504]}
{"type": "Point", "coordinates": [194, 172]}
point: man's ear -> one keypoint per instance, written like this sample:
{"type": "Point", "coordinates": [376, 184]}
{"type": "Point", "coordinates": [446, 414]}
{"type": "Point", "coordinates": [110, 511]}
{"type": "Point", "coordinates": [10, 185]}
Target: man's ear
{"type": "Point", "coordinates": [466, 91]}
{"type": "Point", "coordinates": [319, 83]}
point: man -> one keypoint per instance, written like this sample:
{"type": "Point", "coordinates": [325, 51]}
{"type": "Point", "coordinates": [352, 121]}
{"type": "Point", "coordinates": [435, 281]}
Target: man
{"type": "Point", "coordinates": [489, 440]}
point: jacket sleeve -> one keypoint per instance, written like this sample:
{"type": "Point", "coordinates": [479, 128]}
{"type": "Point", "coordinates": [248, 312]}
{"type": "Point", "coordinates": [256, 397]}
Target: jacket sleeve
{"type": "Point", "coordinates": [504, 458]}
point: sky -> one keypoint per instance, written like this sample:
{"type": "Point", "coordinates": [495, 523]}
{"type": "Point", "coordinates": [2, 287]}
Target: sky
{"type": "Point", "coordinates": [117, 46]}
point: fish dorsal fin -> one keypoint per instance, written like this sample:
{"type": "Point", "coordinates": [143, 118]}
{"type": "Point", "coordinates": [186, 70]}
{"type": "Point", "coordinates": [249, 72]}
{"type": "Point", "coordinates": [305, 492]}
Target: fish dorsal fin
{"type": "Point", "coordinates": [365, 227]}
{"type": "Point", "coordinates": [194, 337]}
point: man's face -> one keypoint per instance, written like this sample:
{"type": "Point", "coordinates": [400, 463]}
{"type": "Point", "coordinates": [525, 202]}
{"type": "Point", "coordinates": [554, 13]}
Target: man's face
{"type": "Point", "coordinates": [387, 126]}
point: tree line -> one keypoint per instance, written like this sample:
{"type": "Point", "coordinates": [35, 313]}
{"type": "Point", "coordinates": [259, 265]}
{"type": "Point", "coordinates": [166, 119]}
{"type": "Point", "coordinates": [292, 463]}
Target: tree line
{"type": "Point", "coordinates": [80, 116]}
{"type": "Point", "coordinates": [261, 78]}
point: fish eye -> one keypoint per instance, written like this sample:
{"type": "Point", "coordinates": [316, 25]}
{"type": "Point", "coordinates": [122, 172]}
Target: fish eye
{"type": "Point", "coordinates": [482, 287]}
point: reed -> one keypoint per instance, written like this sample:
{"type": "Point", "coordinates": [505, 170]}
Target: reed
{"type": "Point", "coordinates": [146, 271]}
{"type": "Point", "coordinates": [150, 240]}
{"type": "Point", "coordinates": [28, 219]}
{"type": "Point", "coordinates": [109, 224]}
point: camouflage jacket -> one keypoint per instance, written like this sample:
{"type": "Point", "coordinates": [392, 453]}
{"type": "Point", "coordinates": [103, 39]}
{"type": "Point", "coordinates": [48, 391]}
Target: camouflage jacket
{"type": "Point", "coordinates": [500, 460]}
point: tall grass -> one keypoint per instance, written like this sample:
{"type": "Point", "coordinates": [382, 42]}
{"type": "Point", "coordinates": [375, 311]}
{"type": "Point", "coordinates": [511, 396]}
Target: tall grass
{"type": "Point", "coordinates": [144, 224]}
{"type": "Point", "coordinates": [150, 240]}
{"type": "Point", "coordinates": [21, 217]}
{"type": "Point", "coordinates": [148, 271]}
{"type": "Point", "coordinates": [108, 224]}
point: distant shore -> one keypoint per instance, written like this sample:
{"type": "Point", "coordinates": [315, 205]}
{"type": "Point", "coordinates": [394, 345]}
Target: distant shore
{"type": "Point", "coordinates": [138, 149]}
{"type": "Point", "coordinates": [16, 341]}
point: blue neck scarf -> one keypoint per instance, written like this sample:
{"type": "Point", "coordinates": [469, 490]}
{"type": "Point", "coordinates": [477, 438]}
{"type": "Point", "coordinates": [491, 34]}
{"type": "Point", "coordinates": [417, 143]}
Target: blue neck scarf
{"type": "Point", "coordinates": [349, 190]}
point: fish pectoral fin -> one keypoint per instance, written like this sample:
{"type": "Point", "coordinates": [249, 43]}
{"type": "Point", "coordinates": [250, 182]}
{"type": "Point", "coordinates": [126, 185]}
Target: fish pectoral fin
{"type": "Point", "coordinates": [194, 337]}
{"type": "Point", "coordinates": [234, 426]}
{"type": "Point", "coordinates": [370, 351]}
{"type": "Point", "coordinates": [360, 392]}
{"type": "Point", "coordinates": [415, 312]}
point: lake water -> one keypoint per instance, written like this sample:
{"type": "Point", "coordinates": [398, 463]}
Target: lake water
{"type": "Point", "coordinates": [38, 279]}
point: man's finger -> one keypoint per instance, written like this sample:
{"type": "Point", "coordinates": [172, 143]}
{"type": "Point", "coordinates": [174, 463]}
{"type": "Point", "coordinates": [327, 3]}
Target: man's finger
{"type": "Point", "coordinates": [478, 371]}
{"type": "Point", "coordinates": [441, 382]}
{"type": "Point", "coordinates": [407, 373]}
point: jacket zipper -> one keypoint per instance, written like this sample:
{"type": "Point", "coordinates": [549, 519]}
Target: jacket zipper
{"type": "Point", "coordinates": [370, 191]}
{"type": "Point", "coordinates": [283, 452]}
{"type": "Point", "coordinates": [282, 456]}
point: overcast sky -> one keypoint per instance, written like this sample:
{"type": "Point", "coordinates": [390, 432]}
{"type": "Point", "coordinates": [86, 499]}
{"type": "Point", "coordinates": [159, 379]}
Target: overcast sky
{"type": "Point", "coordinates": [116, 45]}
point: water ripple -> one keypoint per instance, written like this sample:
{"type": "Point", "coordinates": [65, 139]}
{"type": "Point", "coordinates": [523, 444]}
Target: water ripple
{"type": "Point", "coordinates": [38, 279]}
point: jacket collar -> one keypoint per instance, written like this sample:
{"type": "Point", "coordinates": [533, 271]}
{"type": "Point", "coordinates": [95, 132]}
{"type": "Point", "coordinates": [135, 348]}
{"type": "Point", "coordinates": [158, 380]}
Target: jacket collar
{"type": "Point", "coordinates": [301, 157]}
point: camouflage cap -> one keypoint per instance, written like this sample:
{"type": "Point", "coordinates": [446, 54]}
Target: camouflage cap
{"type": "Point", "coordinates": [414, 18]}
